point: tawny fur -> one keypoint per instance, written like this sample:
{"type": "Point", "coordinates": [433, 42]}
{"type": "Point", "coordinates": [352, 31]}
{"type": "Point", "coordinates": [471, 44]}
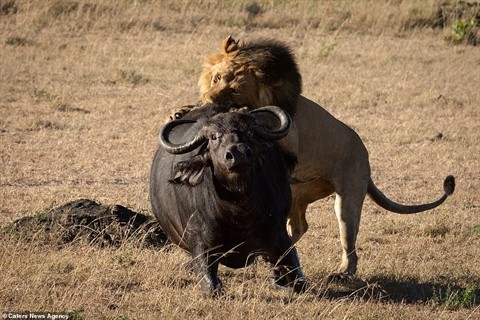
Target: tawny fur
{"type": "Point", "coordinates": [256, 74]}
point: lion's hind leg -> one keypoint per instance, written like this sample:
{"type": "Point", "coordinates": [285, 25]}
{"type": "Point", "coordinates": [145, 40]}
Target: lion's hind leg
{"type": "Point", "coordinates": [348, 208]}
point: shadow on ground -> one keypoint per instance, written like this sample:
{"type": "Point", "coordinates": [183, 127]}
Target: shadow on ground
{"type": "Point", "coordinates": [387, 289]}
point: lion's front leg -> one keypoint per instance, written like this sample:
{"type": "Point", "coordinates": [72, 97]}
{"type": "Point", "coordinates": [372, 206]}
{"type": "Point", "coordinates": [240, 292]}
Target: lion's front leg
{"type": "Point", "coordinates": [296, 222]}
{"type": "Point", "coordinates": [179, 113]}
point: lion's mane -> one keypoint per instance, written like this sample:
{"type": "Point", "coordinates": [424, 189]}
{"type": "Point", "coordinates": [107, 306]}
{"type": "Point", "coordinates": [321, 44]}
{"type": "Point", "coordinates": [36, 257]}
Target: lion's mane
{"type": "Point", "coordinates": [269, 63]}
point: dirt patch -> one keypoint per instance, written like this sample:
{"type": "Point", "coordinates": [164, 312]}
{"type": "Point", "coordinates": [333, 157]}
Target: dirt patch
{"type": "Point", "coordinates": [87, 220]}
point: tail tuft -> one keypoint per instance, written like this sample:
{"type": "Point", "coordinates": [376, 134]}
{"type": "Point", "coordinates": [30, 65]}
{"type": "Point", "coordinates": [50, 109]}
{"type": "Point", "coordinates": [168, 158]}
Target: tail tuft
{"type": "Point", "coordinates": [449, 185]}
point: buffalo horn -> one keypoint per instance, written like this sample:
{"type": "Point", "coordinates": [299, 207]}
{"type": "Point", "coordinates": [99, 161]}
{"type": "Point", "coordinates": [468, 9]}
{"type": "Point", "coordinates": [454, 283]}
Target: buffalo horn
{"type": "Point", "coordinates": [277, 134]}
{"type": "Point", "coordinates": [183, 147]}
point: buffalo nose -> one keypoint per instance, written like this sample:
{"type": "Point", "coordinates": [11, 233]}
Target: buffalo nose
{"type": "Point", "coordinates": [238, 155]}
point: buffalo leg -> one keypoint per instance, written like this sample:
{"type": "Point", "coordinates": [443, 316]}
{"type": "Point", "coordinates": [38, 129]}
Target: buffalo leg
{"type": "Point", "coordinates": [287, 271]}
{"type": "Point", "coordinates": [206, 266]}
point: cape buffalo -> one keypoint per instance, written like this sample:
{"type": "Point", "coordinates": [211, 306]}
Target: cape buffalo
{"type": "Point", "coordinates": [224, 195]}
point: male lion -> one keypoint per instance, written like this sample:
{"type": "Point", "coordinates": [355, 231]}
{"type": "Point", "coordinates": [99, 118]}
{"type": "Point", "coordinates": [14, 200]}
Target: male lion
{"type": "Point", "coordinates": [331, 156]}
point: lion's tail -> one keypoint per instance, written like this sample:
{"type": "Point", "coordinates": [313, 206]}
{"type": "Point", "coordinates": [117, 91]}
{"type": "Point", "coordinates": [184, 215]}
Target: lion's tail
{"type": "Point", "coordinates": [384, 202]}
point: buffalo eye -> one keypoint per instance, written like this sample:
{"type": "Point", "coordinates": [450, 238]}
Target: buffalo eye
{"type": "Point", "coordinates": [213, 137]}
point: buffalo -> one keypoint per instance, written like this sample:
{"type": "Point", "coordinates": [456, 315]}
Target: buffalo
{"type": "Point", "coordinates": [224, 194]}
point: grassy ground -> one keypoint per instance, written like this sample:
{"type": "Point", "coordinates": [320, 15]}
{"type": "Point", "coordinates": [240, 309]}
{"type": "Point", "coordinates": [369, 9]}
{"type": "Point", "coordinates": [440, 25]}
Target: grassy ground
{"type": "Point", "coordinates": [85, 87]}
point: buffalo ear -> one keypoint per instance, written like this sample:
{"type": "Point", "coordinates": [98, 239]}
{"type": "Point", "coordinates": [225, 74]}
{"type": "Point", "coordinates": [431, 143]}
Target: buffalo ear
{"type": "Point", "coordinates": [189, 172]}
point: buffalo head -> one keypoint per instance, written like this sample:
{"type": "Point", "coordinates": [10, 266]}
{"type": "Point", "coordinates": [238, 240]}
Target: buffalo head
{"type": "Point", "coordinates": [233, 144]}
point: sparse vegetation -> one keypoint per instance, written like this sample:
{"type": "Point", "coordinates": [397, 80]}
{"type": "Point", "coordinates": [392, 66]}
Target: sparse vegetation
{"type": "Point", "coordinates": [86, 85]}
{"type": "Point", "coordinates": [8, 7]}
{"type": "Point", "coordinates": [326, 49]}
{"type": "Point", "coordinates": [437, 230]}
{"type": "Point", "coordinates": [45, 124]}
{"type": "Point", "coordinates": [17, 41]}
{"type": "Point", "coordinates": [77, 314]}
{"type": "Point", "coordinates": [133, 77]}
{"type": "Point", "coordinates": [476, 230]}
{"type": "Point", "coordinates": [463, 31]}
{"type": "Point", "coordinates": [454, 298]}
{"type": "Point", "coordinates": [66, 107]}
{"type": "Point", "coordinates": [43, 94]}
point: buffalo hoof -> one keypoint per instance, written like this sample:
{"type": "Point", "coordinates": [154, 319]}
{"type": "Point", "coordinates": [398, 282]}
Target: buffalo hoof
{"type": "Point", "coordinates": [210, 289]}
{"type": "Point", "coordinates": [215, 293]}
{"type": "Point", "coordinates": [298, 286]}
{"type": "Point", "coordinates": [288, 281]}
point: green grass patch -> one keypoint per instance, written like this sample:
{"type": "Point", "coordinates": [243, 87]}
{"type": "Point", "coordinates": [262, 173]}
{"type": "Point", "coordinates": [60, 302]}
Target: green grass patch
{"type": "Point", "coordinates": [454, 298]}
{"type": "Point", "coordinates": [463, 31]}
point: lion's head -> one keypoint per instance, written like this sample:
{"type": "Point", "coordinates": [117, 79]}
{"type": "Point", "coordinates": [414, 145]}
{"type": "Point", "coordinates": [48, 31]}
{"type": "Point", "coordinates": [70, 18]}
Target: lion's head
{"type": "Point", "coordinates": [256, 74]}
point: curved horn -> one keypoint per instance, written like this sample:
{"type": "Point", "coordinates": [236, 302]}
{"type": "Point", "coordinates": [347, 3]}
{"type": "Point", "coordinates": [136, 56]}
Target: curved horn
{"type": "Point", "coordinates": [179, 148]}
{"type": "Point", "coordinates": [277, 134]}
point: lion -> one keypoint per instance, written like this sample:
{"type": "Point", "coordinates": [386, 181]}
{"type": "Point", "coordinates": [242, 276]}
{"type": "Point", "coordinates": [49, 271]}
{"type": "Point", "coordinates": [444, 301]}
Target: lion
{"type": "Point", "coordinates": [331, 156]}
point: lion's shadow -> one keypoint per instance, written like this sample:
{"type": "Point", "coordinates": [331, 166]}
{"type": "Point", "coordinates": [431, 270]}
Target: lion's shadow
{"type": "Point", "coordinates": [385, 288]}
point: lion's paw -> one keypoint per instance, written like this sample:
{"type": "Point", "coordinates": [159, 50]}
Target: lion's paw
{"type": "Point", "coordinates": [180, 113]}
{"type": "Point", "coordinates": [342, 277]}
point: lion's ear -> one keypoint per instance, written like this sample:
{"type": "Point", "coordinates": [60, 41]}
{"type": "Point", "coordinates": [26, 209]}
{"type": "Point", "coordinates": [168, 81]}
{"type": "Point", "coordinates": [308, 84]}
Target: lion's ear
{"type": "Point", "coordinates": [229, 45]}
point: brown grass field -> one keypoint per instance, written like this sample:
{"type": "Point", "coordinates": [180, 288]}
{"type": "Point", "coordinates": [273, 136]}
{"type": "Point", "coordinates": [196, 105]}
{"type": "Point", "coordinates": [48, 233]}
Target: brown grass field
{"type": "Point", "coordinates": [86, 85]}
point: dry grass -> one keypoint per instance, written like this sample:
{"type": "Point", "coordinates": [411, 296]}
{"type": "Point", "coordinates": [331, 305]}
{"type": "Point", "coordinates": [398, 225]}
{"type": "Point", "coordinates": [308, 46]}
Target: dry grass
{"type": "Point", "coordinates": [85, 86]}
